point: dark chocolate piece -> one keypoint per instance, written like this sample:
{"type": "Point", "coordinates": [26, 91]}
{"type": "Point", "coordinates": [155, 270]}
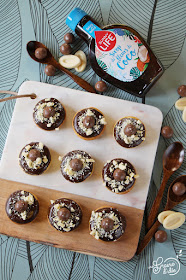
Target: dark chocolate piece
{"type": "Point", "coordinates": [68, 222]}
{"type": "Point", "coordinates": [22, 207]}
{"type": "Point", "coordinates": [65, 49]}
{"type": "Point", "coordinates": [40, 53]}
{"type": "Point", "coordinates": [179, 188]}
{"type": "Point", "coordinates": [167, 132]}
{"type": "Point", "coordinates": [101, 86]}
{"type": "Point", "coordinates": [50, 70]}
{"type": "Point", "coordinates": [69, 38]}
{"type": "Point", "coordinates": [38, 166]}
{"type": "Point", "coordinates": [67, 165]}
{"type": "Point", "coordinates": [116, 185]}
{"type": "Point", "coordinates": [101, 218]}
{"type": "Point", "coordinates": [34, 154]}
{"type": "Point", "coordinates": [161, 236]}
{"type": "Point", "coordinates": [49, 113]}
{"type": "Point", "coordinates": [182, 90]}
{"type": "Point", "coordinates": [122, 128]}
{"type": "Point", "coordinates": [84, 127]}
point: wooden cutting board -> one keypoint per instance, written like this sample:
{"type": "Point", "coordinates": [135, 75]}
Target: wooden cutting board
{"type": "Point", "coordinates": [90, 194]}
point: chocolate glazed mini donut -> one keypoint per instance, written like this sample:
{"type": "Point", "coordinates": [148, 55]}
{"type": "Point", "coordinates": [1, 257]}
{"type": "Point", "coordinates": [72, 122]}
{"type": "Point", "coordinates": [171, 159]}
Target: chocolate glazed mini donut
{"type": "Point", "coordinates": [34, 158]}
{"type": "Point", "coordinates": [49, 114]}
{"type": "Point", "coordinates": [129, 132]}
{"type": "Point", "coordinates": [77, 166]}
{"type": "Point", "coordinates": [22, 207]}
{"type": "Point", "coordinates": [64, 214]}
{"type": "Point", "coordinates": [107, 224]}
{"type": "Point", "coordinates": [89, 123]}
{"type": "Point", "coordinates": [119, 175]}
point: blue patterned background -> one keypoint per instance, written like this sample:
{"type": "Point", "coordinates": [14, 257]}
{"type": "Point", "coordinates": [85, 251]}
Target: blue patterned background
{"type": "Point", "coordinates": [162, 23]}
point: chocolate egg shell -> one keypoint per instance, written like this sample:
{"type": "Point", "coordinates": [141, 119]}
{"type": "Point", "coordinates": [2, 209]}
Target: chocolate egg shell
{"type": "Point", "coordinates": [179, 188]}
{"type": "Point", "coordinates": [40, 53]}
{"type": "Point", "coordinates": [65, 49]}
{"type": "Point", "coordinates": [161, 236]}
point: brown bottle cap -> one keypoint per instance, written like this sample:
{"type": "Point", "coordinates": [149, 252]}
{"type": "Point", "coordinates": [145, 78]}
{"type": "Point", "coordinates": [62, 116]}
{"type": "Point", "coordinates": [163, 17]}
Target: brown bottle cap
{"type": "Point", "coordinates": [48, 112]}
{"type": "Point", "coordinates": [130, 129]}
{"type": "Point", "coordinates": [119, 175]}
{"type": "Point", "coordinates": [34, 154]}
{"type": "Point", "coordinates": [21, 206]}
{"type": "Point", "coordinates": [89, 121]}
{"type": "Point", "coordinates": [63, 214]}
{"type": "Point", "coordinates": [161, 236]}
{"type": "Point", "coordinates": [179, 188]}
{"type": "Point", "coordinates": [107, 224]}
{"type": "Point", "coordinates": [40, 53]}
{"type": "Point", "coordinates": [76, 164]}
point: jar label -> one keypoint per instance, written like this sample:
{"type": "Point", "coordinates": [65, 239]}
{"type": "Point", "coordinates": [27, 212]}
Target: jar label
{"type": "Point", "coordinates": [121, 54]}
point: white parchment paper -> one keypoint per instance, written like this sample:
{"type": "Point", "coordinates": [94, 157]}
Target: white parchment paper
{"type": "Point", "coordinates": [23, 130]}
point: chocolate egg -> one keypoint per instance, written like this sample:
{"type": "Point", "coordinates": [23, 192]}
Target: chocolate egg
{"type": "Point", "coordinates": [50, 70]}
{"type": "Point", "coordinates": [48, 112]}
{"type": "Point", "coordinates": [107, 224]}
{"type": "Point", "coordinates": [101, 86]}
{"type": "Point", "coordinates": [63, 214]}
{"type": "Point", "coordinates": [179, 188]}
{"type": "Point", "coordinates": [89, 121]}
{"type": "Point", "coordinates": [69, 38]}
{"type": "Point", "coordinates": [119, 175]}
{"type": "Point", "coordinates": [161, 236]}
{"type": "Point", "coordinates": [40, 53]}
{"type": "Point", "coordinates": [76, 164]}
{"type": "Point", "coordinates": [21, 206]}
{"type": "Point", "coordinates": [34, 154]}
{"type": "Point", "coordinates": [167, 132]}
{"type": "Point", "coordinates": [65, 48]}
{"type": "Point", "coordinates": [182, 90]}
{"type": "Point", "coordinates": [130, 129]}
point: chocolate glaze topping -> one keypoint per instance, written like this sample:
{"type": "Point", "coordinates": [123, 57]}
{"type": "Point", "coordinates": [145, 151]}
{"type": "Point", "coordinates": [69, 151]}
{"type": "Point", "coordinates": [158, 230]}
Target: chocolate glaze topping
{"type": "Point", "coordinates": [76, 166]}
{"type": "Point", "coordinates": [64, 220]}
{"type": "Point", "coordinates": [49, 113]}
{"type": "Point", "coordinates": [34, 163]}
{"type": "Point", "coordinates": [89, 123]}
{"type": "Point", "coordinates": [107, 224]}
{"type": "Point", "coordinates": [118, 175]}
{"type": "Point", "coordinates": [129, 132]}
{"type": "Point", "coordinates": [22, 207]}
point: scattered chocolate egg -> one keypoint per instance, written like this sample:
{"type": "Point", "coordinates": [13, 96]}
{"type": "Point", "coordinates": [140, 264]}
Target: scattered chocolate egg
{"type": "Point", "coordinates": [182, 90]}
{"type": "Point", "coordinates": [34, 154]}
{"type": "Point", "coordinates": [69, 38]}
{"type": "Point", "coordinates": [101, 86]}
{"type": "Point", "coordinates": [130, 129]}
{"type": "Point", "coordinates": [40, 53]}
{"type": "Point", "coordinates": [63, 214]}
{"type": "Point", "coordinates": [21, 206]}
{"type": "Point", "coordinates": [179, 188]}
{"type": "Point", "coordinates": [65, 48]}
{"type": "Point", "coordinates": [119, 175]}
{"type": "Point", "coordinates": [167, 132]}
{"type": "Point", "coordinates": [161, 236]}
{"type": "Point", "coordinates": [76, 164]}
{"type": "Point", "coordinates": [107, 224]}
{"type": "Point", "coordinates": [89, 121]}
{"type": "Point", "coordinates": [50, 70]}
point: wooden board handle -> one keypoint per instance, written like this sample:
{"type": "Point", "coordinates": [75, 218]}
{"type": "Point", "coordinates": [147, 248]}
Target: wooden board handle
{"type": "Point", "coordinates": [32, 95]}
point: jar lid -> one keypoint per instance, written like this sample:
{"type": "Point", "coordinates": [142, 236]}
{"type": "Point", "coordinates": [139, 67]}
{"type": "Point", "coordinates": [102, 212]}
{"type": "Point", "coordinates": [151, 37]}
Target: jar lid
{"type": "Point", "coordinates": [74, 18]}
